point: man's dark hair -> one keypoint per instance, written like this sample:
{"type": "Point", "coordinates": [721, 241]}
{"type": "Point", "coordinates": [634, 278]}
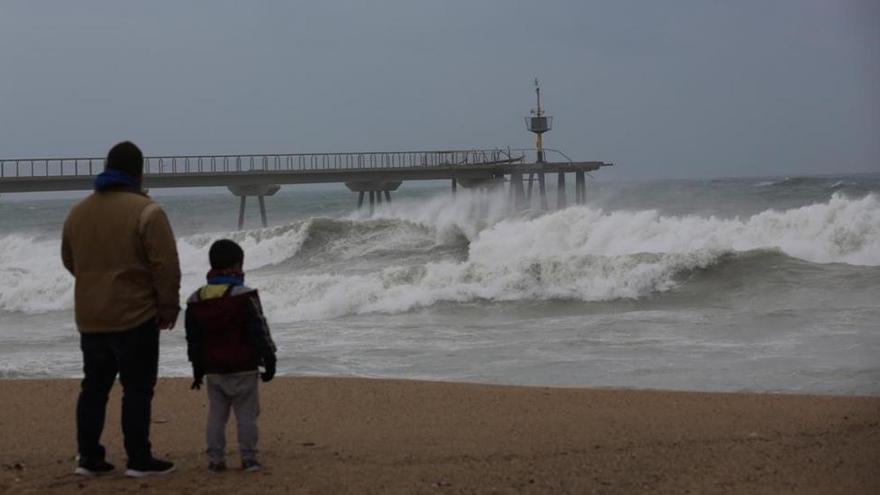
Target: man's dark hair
{"type": "Point", "coordinates": [224, 254]}
{"type": "Point", "coordinates": [126, 157]}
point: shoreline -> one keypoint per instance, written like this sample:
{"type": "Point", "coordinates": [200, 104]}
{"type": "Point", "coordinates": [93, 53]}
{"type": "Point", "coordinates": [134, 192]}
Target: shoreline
{"type": "Point", "coordinates": [359, 435]}
{"type": "Point", "coordinates": [772, 392]}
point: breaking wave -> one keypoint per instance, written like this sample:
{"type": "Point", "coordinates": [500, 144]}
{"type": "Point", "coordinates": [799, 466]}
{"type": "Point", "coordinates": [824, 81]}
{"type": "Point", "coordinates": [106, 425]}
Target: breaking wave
{"type": "Point", "coordinates": [587, 255]}
{"type": "Point", "coordinates": [419, 254]}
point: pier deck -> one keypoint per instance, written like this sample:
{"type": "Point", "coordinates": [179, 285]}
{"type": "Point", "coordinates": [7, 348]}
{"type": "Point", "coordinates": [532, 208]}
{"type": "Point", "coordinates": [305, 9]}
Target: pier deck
{"type": "Point", "coordinates": [373, 173]}
{"type": "Point", "coordinates": [66, 174]}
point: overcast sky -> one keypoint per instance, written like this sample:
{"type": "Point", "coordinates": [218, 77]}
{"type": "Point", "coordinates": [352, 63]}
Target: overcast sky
{"type": "Point", "coordinates": [663, 89]}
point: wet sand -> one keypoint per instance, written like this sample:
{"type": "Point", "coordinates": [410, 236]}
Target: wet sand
{"type": "Point", "coordinates": [346, 435]}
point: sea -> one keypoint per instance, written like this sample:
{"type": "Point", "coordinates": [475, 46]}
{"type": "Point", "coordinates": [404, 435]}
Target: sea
{"type": "Point", "coordinates": [767, 284]}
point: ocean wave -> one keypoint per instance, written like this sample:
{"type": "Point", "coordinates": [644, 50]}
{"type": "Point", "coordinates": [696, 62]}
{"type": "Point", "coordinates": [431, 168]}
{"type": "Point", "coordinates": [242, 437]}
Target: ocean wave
{"type": "Point", "coordinates": [262, 247]}
{"type": "Point", "coordinates": [579, 253]}
{"type": "Point", "coordinates": [587, 254]}
{"type": "Point", "coordinates": [841, 230]}
{"type": "Point", "coordinates": [34, 279]}
{"type": "Point", "coordinates": [331, 240]}
{"type": "Point", "coordinates": [292, 297]}
{"type": "Point", "coordinates": [827, 183]}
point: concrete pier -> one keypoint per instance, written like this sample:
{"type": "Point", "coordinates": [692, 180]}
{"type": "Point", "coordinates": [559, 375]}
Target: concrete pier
{"type": "Point", "coordinates": [473, 167]}
{"type": "Point", "coordinates": [262, 175]}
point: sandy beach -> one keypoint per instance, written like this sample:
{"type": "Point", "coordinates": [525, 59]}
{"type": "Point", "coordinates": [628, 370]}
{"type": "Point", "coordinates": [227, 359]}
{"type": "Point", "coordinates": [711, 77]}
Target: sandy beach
{"type": "Point", "coordinates": [346, 435]}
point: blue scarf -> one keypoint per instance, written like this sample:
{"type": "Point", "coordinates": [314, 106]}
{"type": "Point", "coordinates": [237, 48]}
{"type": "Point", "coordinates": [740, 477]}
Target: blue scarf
{"type": "Point", "coordinates": [225, 277]}
{"type": "Point", "coordinates": [116, 178]}
{"type": "Point", "coordinates": [226, 280]}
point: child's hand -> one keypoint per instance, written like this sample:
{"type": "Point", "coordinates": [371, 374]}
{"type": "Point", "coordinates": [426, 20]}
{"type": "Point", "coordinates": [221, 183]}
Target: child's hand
{"type": "Point", "coordinates": [269, 374]}
{"type": "Point", "coordinates": [198, 375]}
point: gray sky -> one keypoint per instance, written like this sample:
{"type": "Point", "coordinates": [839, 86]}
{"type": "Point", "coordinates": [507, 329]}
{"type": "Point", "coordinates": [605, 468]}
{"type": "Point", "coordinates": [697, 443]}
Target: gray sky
{"type": "Point", "coordinates": [663, 89]}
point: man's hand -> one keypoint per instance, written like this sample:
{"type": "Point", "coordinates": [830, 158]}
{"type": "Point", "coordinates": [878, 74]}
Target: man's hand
{"type": "Point", "coordinates": [269, 374]}
{"type": "Point", "coordinates": [165, 324]}
{"type": "Point", "coordinates": [166, 318]}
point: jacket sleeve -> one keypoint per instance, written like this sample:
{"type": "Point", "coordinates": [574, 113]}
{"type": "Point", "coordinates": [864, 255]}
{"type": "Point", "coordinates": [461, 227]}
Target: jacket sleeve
{"type": "Point", "coordinates": [66, 251]}
{"type": "Point", "coordinates": [258, 330]}
{"type": "Point", "coordinates": [193, 342]}
{"type": "Point", "coordinates": [160, 249]}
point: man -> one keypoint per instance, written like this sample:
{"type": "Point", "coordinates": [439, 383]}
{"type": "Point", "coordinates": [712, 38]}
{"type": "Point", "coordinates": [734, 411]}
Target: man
{"type": "Point", "coordinates": [118, 245]}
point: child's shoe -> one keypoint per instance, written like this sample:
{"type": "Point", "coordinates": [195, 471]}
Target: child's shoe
{"type": "Point", "coordinates": [251, 465]}
{"type": "Point", "coordinates": [216, 467]}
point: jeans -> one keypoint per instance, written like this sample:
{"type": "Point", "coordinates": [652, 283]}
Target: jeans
{"type": "Point", "coordinates": [134, 355]}
{"type": "Point", "coordinates": [238, 391]}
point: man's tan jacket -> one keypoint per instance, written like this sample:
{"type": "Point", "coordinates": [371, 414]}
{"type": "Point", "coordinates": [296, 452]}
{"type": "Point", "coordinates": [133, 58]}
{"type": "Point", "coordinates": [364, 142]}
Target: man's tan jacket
{"type": "Point", "coordinates": [119, 246]}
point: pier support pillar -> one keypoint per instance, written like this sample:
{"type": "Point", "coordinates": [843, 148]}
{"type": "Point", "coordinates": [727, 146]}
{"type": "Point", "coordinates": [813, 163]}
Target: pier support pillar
{"type": "Point", "coordinates": [258, 190]}
{"type": "Point", "coordinates": [561, 203]}
{"type": "Point", "coordinates": [517, 191]}
{"type": "Point", "coordinates": [263, 210]}
{"type": "Point", "coordinates": [376, 189]}
{"type": "Point", "coordinates": [580, 188]}
{"type": "Point", "coordinates": [542, 190]}
{"type": "Point", "coordinates": [489, 183]}
{"type": "Point", "coordinates": [241, 213]}
{"type": "Point", "coordinates": [529, 189]}
{"type": "Point", "coordinates": [454, 186]}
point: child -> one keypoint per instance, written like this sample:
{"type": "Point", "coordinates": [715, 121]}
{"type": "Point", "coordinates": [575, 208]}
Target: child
{"type": "Point", "coordinates": [227, 338]}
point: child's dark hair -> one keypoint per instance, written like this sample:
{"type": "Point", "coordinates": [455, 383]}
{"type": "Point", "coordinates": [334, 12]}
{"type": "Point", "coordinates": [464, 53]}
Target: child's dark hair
{"type": "Point", "coordinates": [126, 157]}
{"type": "Point", "coordinates": [225, 253]}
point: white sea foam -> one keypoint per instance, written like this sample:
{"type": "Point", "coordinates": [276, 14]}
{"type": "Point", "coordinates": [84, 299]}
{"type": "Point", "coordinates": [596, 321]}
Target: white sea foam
{"type": "Point", "coordinates": [766, 183]}
{"type": "Point", "coordinates": [302, 297]}
{"type": "Point", "coordinates": [36, 281]}
{"type": "Point", "coordinates": [262, 247]}
{"type": "Point", "coordinates": [585, 254]}
{"type": "Point", "coordinates": [841, 230]}
{"type": "Point", "coordinates": [578, 253]}
{"type": "Point", "coordinates": [471, 213]}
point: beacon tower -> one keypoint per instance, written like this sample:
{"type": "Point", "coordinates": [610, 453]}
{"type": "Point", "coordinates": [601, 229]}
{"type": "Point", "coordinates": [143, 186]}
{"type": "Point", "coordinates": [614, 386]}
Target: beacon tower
{"type": "Point", "coordinates": [539, 123]}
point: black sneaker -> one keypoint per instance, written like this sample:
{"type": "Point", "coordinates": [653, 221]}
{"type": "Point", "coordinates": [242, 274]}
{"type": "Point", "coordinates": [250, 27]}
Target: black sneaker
{"type": "Point", "coordinates": [88, 467]}
{"type": "Point", "coordinates": [150, 467]}
{"type": "Point", "coordinates": [216, 467]}
{"type": "Point", "coordinates": [251, 465]}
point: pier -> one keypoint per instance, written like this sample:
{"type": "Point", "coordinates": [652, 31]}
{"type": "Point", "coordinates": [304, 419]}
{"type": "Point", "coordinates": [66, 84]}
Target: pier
{"type": "Point", "coordinates": [376, 174]}
{"type": "Point", "coordinates": [369, 174]}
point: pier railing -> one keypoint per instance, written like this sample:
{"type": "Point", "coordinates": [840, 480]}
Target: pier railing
{"type": "Point", "coordinates": [219, 164]}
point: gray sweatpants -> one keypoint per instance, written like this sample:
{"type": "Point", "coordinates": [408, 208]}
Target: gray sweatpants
{"type": "Point", "coordinates": [238, 391]}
